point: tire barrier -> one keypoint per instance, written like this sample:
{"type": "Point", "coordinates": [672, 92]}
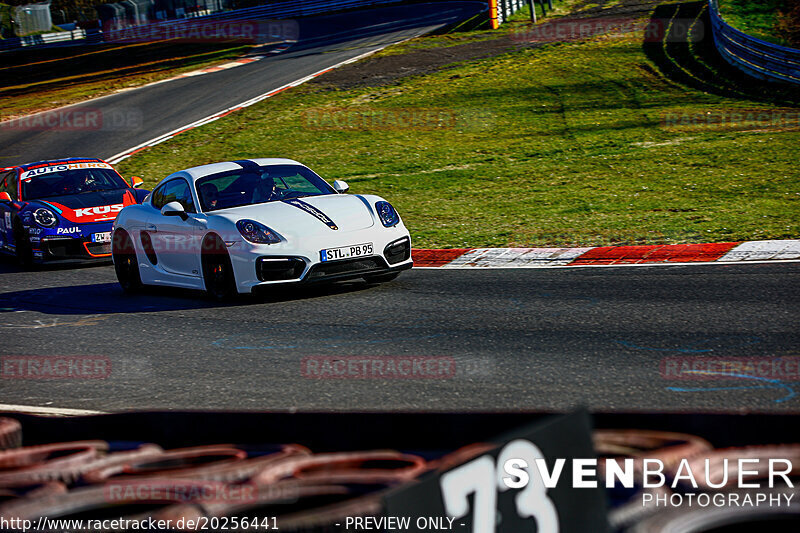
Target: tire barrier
{"type": "Point", "coordinates": [667, 447]}
{"type": "Point", "coordinates": [50, 462]}
{"type": "Point", "coordinates": [307, 491]}
{"type": "Point", "coordinates": [10, 434]}
{"type": "Point", "coordinates": [169, 464]}
{"type": "Point", "coordinates": [723, 465]}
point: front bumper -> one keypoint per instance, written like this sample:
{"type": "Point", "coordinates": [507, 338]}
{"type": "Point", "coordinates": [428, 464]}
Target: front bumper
{"type": "Point", "coordinates": [352, 268]}
{"type": "Point", "coordinates": [70, 250]}
{"type": "Point", "coordinates": [262, 266]}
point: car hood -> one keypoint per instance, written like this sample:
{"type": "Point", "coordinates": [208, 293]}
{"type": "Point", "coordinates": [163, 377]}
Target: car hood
{"type": "Point", "coordinates": [94, 206]}
{"type": "Point", "coordinates": [334, 212]}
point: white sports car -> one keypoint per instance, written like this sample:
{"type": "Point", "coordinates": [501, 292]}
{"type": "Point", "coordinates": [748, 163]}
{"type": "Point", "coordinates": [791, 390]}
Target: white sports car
{"type": "Point", "coordinates": [237, 226]}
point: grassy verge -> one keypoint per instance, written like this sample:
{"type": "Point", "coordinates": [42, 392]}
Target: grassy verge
{"type": "Point", "coordinates": [758, 18]}
{"type": "Point", "coordinates": [519, 21]}
{"type": "Point", "coordinates": [582, 143]}
{"type": "Point", "coordinates": [37, 80]}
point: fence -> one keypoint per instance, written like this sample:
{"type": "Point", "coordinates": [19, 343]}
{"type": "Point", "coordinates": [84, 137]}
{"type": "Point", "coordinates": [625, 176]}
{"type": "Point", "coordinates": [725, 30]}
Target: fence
{"type": "Point", "coordinates": [501, 10]}
{"type": "Point", "coordinates": [755, 57]}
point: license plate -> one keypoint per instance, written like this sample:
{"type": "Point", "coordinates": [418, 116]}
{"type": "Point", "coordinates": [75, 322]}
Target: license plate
{"type": "Point", "coordinates": [346, 252]}
{"type": "Point", "coordinates": [101, 237]}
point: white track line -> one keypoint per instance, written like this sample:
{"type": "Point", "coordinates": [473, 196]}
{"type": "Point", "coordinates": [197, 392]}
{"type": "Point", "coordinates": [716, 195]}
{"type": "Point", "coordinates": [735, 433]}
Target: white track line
{"type": "Point", "coordinates": [47, 411]}
{"type": "Point", "coordinates": [161, 138]}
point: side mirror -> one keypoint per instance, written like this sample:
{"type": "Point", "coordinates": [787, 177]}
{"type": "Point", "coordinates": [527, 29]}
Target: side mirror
{"type": "Point", "coordinates": [136, 182]}
{"type": "Point", "coordinates": [340, 186]}
{"type": "Point", "coordinates": [174, 209]}
{"type": "Point", "coordinates": [4, 197]}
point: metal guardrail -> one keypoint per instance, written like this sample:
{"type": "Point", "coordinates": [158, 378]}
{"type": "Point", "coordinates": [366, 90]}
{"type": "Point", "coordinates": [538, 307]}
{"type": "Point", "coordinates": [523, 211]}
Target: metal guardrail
{"type": "Point", "coordinates": [758, 58]}
{"type": "Point", "coordinates": [55, 37]}
{"type": "Point", "coordinates": [277, 10]}
{"type": "Point", "coordinates": [60, 38]}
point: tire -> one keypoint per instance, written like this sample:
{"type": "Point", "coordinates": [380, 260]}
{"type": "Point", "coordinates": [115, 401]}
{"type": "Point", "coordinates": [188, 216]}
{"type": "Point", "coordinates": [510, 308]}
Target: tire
{"type": "Point", "coordinates": [125, 263]}
{"type": "Point", "coordinates": [218, 275]}
{"type": "Point", "coordinates": [381, 278]}
{"type": "Point", "coordinates": [10, 433]}
{"type": "Point", "coordinates": [24, 249]}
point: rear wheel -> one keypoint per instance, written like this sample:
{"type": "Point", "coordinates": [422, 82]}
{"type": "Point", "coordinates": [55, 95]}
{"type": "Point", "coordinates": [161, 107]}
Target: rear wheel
{"type": "Point", "coordinates": [125, 262]}
{"type": "Point", "coordinates": [381, 278]}
{"type": "Point", "coordinates": [24, 250]}
{"type": "Point", "coordinates": [218, 272]}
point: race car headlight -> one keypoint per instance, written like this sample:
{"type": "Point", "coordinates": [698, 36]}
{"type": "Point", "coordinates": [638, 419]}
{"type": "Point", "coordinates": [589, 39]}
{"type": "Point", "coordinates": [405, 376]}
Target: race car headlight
{"type": "Point", "coordinates": [387, 214]}
{"type": "Point", "coordinates": [256, 232]}
{"type": "Point", "coordinates": [45, 217]}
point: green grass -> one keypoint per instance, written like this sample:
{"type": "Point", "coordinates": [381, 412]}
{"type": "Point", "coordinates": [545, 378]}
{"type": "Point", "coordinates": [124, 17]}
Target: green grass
{"type": "Point", "coordinates": [518, 22]}
{"type": "Point", "coordinates": [562, 145]}
{"type": "Point", "coordinates": [758, 18]}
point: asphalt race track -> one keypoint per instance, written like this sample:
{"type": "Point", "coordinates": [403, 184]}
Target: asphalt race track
{"type": "Point", "coordinates": [519, 339]}
{"type": "Point", "coordinates": [152, 111]}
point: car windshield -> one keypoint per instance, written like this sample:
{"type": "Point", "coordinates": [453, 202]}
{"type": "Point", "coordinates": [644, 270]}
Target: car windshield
{"type": "Point", "coordinates": [68, 182]}
{"type": "Point", "coordinates": [260, 185]}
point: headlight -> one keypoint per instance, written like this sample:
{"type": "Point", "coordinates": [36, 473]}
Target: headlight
{"type": "Point", "coordinates": [256, 232]}
{"type": "Point", "coordinates": [387, 214]}
{"type": "Point", "coordinates": [45, 217]}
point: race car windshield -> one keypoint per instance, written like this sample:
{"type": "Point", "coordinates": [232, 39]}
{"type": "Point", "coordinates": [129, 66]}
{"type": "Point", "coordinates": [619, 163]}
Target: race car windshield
{"type": "Point", "coordinates": [257, 186]}
{"type": "Point", "coordinates": [68, 182]}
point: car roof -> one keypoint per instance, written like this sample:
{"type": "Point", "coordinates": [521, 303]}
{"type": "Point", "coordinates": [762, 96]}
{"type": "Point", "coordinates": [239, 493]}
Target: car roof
{"type": "Point", "coordinates": [196, 173]}
{"type": "Point", "coordinates": [51, 162]}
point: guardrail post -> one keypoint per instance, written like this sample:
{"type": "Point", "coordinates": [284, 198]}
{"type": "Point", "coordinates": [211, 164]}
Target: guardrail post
{"type": "Point", "coordinates": [532, 5]}
{"type": "Point", "coordinates": [493, 15]}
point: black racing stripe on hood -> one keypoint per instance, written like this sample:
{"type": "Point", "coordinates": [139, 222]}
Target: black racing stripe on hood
{"type": "Point", "coordinates": [247, 164]}
{"type": "Point", "coordinates": [88, 199]}
{"type": "Point", "coordinates": [313, 211]}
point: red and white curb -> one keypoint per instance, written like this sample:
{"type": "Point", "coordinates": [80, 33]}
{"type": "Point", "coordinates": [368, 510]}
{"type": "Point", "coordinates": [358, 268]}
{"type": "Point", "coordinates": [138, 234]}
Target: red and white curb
{"type": "Point", "coordinates": [217, 68]}
{"type": "Point", "coordinates": [161, 138]}
{"type": "Point", "coordinates": [724, 252]}
{"type": "Point", "coordinates": [207, 70]}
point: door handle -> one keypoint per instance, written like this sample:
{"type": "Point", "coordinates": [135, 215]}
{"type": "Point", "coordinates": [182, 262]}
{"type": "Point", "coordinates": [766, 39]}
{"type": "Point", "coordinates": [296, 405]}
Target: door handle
{"type": "Point", "coordinates": [151, 227]}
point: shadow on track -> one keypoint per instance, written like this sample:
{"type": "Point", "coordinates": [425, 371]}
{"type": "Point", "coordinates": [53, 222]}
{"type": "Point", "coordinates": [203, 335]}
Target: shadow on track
{"type": "Point", "coordinates": [107, 298]}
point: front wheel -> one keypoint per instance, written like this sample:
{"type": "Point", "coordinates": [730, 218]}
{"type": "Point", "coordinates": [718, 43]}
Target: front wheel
{"type": "Point", "coordinates": [381, 278]}
{"type": "Point", "coordinates": [125, 263]}
{"type": "Point", "coordinates": [218, 276]}
{"type": "Point", "coordinates": [24, 249]}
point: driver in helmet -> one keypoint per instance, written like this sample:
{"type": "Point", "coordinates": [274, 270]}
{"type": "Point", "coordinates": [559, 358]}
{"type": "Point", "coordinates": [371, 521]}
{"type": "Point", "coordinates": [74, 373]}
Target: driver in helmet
{"type": "Point", "coordinates": [266, 190]}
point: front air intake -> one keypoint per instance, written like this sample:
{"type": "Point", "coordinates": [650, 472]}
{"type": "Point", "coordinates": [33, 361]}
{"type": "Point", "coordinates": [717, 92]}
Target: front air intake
{"type": "Point", "coordinates": [398, 251]}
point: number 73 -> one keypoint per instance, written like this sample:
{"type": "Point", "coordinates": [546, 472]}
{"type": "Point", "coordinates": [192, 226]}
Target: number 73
{"type": "Point", "coordinates": [484, 478]}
